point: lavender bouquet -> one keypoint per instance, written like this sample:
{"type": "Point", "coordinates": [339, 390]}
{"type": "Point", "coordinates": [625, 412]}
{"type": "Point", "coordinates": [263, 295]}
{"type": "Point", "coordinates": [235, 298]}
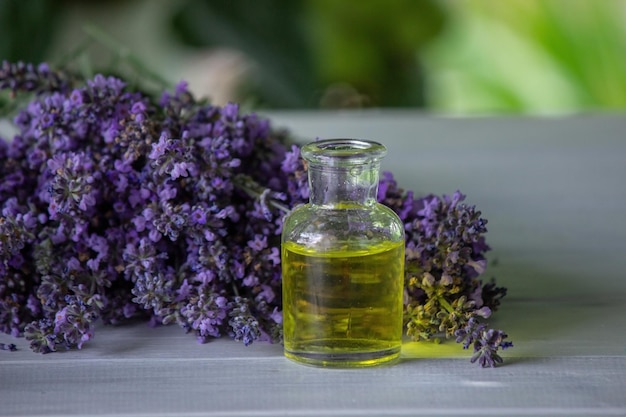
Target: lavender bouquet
{"type": "Point", "coordinates": [116, 206]}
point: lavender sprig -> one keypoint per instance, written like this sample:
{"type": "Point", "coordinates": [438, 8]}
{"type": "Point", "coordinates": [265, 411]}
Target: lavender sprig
{"type": "Point", "coordinates": [8, 346]}
{"type": "Point", "coordinates": [23, 77]}
{"type": "Point", "coordinates": [445, 258]}
{"type": "Point", "coordinates": [485, 342]}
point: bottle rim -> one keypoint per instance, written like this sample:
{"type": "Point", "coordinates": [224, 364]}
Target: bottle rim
{"type": "Point", "coordinates": [343, 151]}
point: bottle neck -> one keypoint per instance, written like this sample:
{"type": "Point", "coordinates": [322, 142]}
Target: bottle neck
{"type": "Point", "coordinates": [344, 185]}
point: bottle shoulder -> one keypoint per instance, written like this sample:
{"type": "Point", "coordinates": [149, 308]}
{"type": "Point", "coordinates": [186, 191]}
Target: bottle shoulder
{"type": "Point", "coordinates": [352, 225]}
{"type": "Point", "coordinates": [375, 212]}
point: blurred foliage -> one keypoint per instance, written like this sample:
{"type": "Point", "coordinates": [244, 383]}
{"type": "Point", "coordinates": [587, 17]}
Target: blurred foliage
{"type": "Point", "coordinates": [26, 32]}
{"type": "Point", "coordinates": [530, 56]}
{"type": "Point", "coordinates": [470, 56]}
{"type": "Point", "coordinates": [268, 32]}
{"type": "Point", "coordinates": [321, 52]}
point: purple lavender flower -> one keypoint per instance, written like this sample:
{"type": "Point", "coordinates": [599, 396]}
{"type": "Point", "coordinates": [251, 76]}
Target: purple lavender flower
{"type": "Point", "coordinates": [154, 292]}
{"type": "Point", "coordinates": [73, 184]}
{"type": "Point", "coordinates": [204, 314]}
{"type": "Point", "coordinates": [41, 336]}
{"type": "Point", "coordinates": [8, 346]}
{"type": "Point", "coordinates": [244, 325]}
{"type": "Point", "coordinates": [140, 258]}
{"type": "Point", "coordinates": [485, 342]}
{"type": "Point", "coordinates": [444, 260]}
{"type": "Point", "coordinates": [27, 77]}
{"type": "Point", "coordinates": [74, 322]}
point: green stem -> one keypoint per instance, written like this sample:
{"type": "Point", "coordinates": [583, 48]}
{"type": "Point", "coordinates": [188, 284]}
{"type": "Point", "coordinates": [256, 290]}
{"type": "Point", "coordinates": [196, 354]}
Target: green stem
{"type": "Point", "coordinates": [445, 304]}
{"type": "Point", "coordinates": [253, 189]}
{"type": "Point", "coordinates": [235, 290]}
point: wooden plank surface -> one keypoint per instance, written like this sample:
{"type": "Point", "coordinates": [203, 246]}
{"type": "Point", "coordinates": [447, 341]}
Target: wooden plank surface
{"type": "Point", "coordinates": [553, 192]}
{"type": "Point", "coordinates": [271, 386]}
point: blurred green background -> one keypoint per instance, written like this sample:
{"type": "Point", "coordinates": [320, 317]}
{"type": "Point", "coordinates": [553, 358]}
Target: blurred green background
{"type": "Point", "coordinates": [450, 57]}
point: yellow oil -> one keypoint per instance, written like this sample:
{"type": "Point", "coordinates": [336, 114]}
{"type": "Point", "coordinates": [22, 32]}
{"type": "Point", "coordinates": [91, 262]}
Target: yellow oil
{"type": "Point", "coordinates": [343, 308]}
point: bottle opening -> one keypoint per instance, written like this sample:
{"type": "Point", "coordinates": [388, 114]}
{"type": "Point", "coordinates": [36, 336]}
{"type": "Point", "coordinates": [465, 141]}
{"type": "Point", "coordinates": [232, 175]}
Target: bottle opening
{"type": "Point", "coordinates": [349, 150]}
{"type": "Point", "coordinates": [345, 145]}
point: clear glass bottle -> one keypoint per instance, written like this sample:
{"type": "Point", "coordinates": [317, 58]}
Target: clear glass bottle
{"type": "Point", "coordinates": [343, 262]}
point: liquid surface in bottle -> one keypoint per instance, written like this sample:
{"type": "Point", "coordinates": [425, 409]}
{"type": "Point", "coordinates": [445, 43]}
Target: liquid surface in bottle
{"type": "Point", "coordinates": [343, 308]}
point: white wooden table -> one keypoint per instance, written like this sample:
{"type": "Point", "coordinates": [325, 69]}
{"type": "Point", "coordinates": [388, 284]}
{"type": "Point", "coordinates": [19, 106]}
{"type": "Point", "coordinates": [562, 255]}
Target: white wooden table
{"type": "Point", "coordinates": [554, 192]}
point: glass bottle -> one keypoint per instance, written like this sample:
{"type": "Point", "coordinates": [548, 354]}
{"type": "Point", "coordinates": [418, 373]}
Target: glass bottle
{"type": "Point", "coordinates": [343, 262]}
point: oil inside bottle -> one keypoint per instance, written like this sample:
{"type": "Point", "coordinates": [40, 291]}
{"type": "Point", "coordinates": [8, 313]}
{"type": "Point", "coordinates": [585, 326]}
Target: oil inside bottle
{"type": "Point", "coordinates": [343, 308]}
